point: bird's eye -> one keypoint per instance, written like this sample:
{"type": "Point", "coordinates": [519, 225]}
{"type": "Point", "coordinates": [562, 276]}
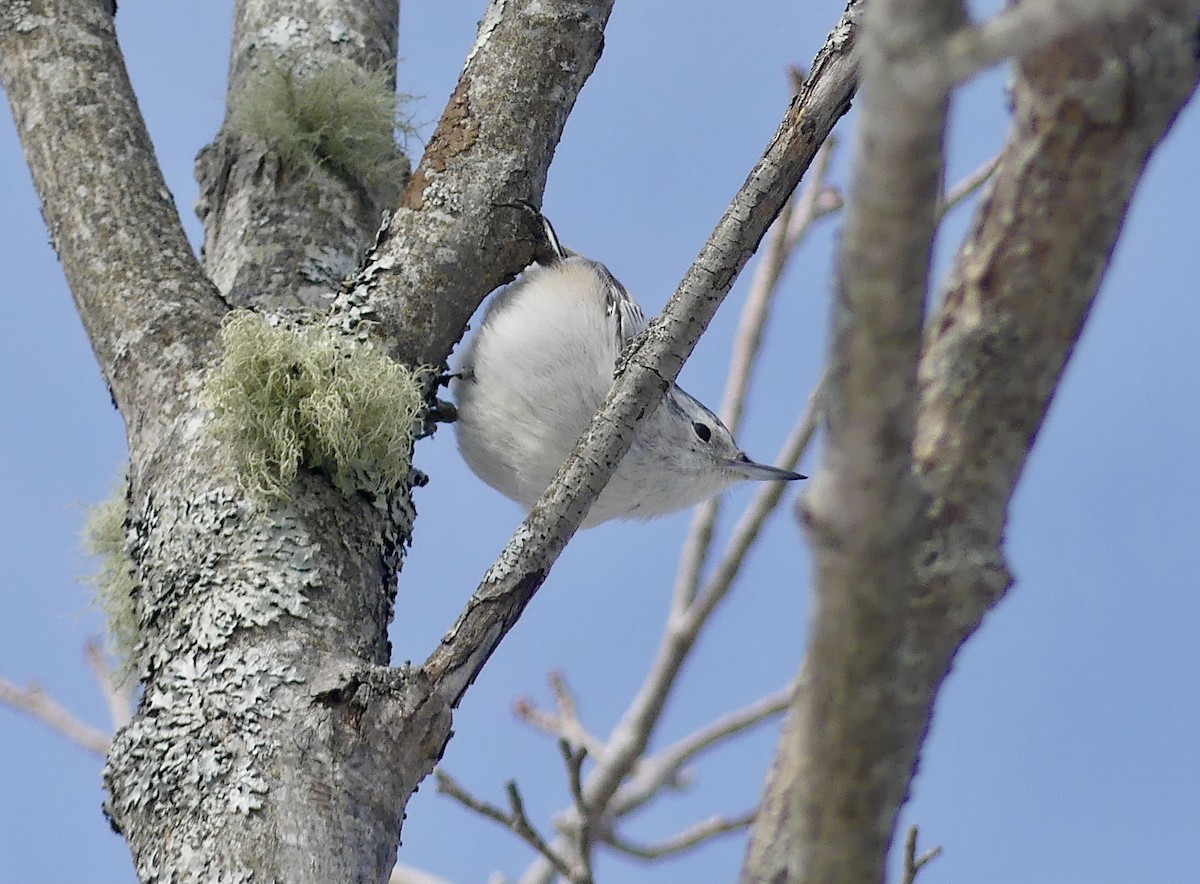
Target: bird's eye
{"type": "Point", "coordinates": [702, 431]}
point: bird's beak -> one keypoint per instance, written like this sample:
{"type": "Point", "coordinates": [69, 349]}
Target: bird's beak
{"type": "Point", "coordinates": [761, 472]}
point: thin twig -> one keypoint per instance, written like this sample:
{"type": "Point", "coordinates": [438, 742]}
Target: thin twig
{"type": "Point", "coordinates": [764, 503]}
{"type": "Point", "coordinates": [573, 759]}
{"type": "Point", "coordinates": [37, 703]}
{"type": "Point", "coordinates": [515, 819]}
{"type": "Point", "coordinates": [782, 240]}
{"type": "Point", "coordinates": [117, 693]}
{"type": "Point", "coordinates": [691, 837]}
{"type": "Point", "coordinates": [564, 722]}
{"type": "Point", "coordinates": [663, 768]}
{"type": "Point", "coordinates": [967, 186]}
{"type": "Point", "coordinates": [912, 862]}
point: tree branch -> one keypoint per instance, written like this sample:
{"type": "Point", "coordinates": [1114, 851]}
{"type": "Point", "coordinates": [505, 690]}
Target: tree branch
{"type": "Point", "coordinates": [315, 222]}
{"type": "Point", "coordinates": [564, 722]}
{"type": "Point", "coordinates": [145, 302]}
{"type": "Point", "coordinates": [664, 767]}
{"type": "Point", "coordinates": [689, 838]}
{"type": "Point", "coordinates": [913, 863]}
{"type": "Point", "coordinates": [1015, 303]}
{"type": "Point", "coordinates": [649, 364]}
{"type": "Point", "coordinates": [1021, 29]}
{"type": "Point", "coordinates": [514, 819]}
{"type": "Point", "coordinates": [967, 186]}
{"type": "Point", "coordinates": [452, 241]}
{"type": "Point", "coordinates": [118, 693]}
{"type": "Point", "coordinates": [784, 237]}
{"type": "Point", "coordinates": [831, 799]}
{"type": "Point", "coordinates": [40, 705]}
{"type": "Point", "coordinates": [1088, 113]}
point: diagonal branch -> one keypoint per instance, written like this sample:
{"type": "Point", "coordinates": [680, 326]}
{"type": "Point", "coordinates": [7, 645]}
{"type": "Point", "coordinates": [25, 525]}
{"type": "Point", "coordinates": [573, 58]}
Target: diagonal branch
{"type": "Point", "coordinates": [451, 241]}
{"type": "Point", "coordinates": [144, 300]}
{"type": "Point", "coordinates": [37, 703]}
{"type": "Point", "coordinates": [514, 818]}
{"type": "Point", "coordinates": [118, 692]}
{"type": "Point", "coordinates": [664, 767]}
{"type": "Point", "coordinates": [651, 362]}
{"type": "Point", "coordinates": [693, 836]}
{"type": "Point", "coordinates": [785, 236]}
{"type": "Point", "coordinates": [1021, 29]}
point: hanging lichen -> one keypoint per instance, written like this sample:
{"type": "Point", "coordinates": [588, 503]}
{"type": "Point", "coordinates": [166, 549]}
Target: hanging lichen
{"type": "Point", "coordinates": [287, 395]}
{"type": "Point", "coordinates": [113, 581]}
{"type": "Point", "coordinates": [339, 116]}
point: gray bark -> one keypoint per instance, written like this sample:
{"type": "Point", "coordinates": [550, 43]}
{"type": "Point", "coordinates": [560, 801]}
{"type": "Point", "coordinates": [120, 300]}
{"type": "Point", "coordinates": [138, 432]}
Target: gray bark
{"type": "Point", "coordinates": [273, 741]}
{"type": "Point", "coordinates": [900, 588]}
{"type": "Point", "coordinates": [278, 237]}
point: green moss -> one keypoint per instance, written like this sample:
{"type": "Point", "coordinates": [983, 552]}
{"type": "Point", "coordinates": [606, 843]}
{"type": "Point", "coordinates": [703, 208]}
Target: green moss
{"type": "Point", "coordinates": [292, 395]}
{"type": "Point", "coordinates": [341, 117]}
{"type": "Point", "coordinates": [104, 538]}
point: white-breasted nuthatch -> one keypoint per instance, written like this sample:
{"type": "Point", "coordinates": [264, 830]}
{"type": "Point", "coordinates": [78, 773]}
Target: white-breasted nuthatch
{"type": "Point", "coordinates": [538, 370]}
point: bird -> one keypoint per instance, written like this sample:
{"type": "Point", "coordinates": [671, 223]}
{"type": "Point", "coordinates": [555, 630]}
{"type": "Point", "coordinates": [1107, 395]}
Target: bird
{"type": "Point", "coordinates": [540, 366]}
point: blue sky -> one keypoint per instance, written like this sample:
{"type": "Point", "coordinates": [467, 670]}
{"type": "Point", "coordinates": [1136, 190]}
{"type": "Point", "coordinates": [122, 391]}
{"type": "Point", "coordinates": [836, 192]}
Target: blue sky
{"type": "Point", "coordinates": [1063, 745]}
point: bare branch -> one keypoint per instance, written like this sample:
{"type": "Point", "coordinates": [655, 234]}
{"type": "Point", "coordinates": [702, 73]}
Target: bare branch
{"type": "Point", "coordinates": [651, 361]}
{"type": "Point", "coordinates": [136, 283]}
{"type": "Point", "coordinates": [829, 806]}
{"type": "Point", "coordinates": [514, 819]}
{"type": "Point", "coordinates": [580, 831]}
{"type": "Point", "coordinates": [451, 241]}
{"type": "Point", "coordinates": [663, 768]}
{"type": "Point", "coordinates": [573, 759]}
{"type": "Point", "coordinates": [117, 694]}
{"type": "Point", "coordinates": [1086, 119]}
{"type": "Point", "coordinates": [564, 722]}
{"type": "Point", "coordinates": [766, 499]}
{"type": "Point", "coordinates": [691, 837]}
{"type": "Point", "coordinates": [38, 704]}
{"type": "Point", "coordinates": [782, 240]}
{"type": "Point", "coordinates": [912, 862]}
{"type": "Point", "coordinates": [967, 186]}
{"type": "Point", "coordinates": [1022, 29]}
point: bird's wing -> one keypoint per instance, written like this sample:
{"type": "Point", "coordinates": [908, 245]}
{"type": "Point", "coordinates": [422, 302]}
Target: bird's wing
{"type": "Point", "coordinates": [620, 305]}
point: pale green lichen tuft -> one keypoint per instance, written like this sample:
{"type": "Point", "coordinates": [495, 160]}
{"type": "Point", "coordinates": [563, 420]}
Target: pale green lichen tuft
{"type": "Point", "coordinates": [340, 117]}
{"type": "Point", "coordinates": [113, 581]}
{"type": "Point", "coordinates": [289, 395]}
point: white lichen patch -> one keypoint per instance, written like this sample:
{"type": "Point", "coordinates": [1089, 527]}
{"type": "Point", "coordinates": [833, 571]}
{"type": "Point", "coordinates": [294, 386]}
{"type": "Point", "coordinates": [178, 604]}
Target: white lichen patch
{"type": "Point", "coordinates": [338, 116]}
{"type": "Point", "coordinates": [215, 567]}
{"type": "Point", "coordinates": [290, 395]}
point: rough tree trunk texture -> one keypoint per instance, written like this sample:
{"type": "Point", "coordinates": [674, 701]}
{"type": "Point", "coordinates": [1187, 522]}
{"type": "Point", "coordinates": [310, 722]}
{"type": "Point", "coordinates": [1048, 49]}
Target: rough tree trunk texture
{"type": "Point", "coordinates": [272, 237]}
{"type": "Point", "coordinates": [1088, 112]}
{"type": "Point", "coordinates": [273, 742]}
